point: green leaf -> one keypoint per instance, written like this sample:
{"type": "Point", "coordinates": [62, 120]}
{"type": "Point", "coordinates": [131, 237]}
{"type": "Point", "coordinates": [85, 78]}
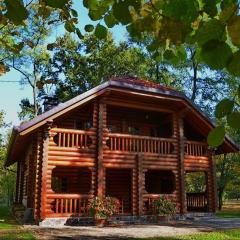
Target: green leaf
{"type": "Point", "coordinates": [100, 31]}
{"type": "Point", "coordinates": [239, 92]}
{"type": "Point", "coordinates": [85, 3]}
{"type": "Point", "coordinates": [234, 120]}
{"type": "Point", "coordinates": [74, 13]}
{"type": "Point", "coordinates": [94, 15]}
{"type": "Point", "coordinates": [16, 12]}
{"type": "Point", "coordinates": [110, 20]}
{"type": "Point", "coordinates": [89, 28]}
{"type": "Point", "coordinates": [234, 64]}
{"type": "Point", "coordinates": [80, 36]}
{"type": "Point", "coordinates": [121, 12]}
{"type": "Point", "coordinates": [224, 108]}
{"type": "Point", "coordinates": [69, 26]}
{"type": "Point", "coordinates": [216, 54]}
{"type": "Point", "coordinates": [210, 30]}
{"type": "Point", "coordinates": [210, 7]}
{"type": "Point", "coordinates": [93, 4]}
{"type": "Point", "coordinates": [181, 10]}
{"type": "Point", "coordinates": [234, 30]}
{"type": "Point", "coordinates": [56, 4]}
{"type": "Point", "coordinates": [216, 136]}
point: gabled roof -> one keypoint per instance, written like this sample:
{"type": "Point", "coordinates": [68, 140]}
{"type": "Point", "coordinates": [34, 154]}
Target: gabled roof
{"type": "Point", "coordinates": [130, 83]}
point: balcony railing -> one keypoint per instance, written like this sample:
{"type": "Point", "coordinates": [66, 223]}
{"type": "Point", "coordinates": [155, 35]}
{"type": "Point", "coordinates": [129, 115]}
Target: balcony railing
{"type": "Point", "coordinates": [70, 204]}
{"type": "Point", "coordinates": [194, 148]}
{"type": "Point", "coordinates": [197, 202]}
{"type": "Point", "coordinates": [145, 144]}
{"type": "Point", "coordinates": [72, 138]}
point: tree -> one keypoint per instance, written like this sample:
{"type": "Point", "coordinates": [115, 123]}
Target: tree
{"type": "Point", "coordinates": [211, 25]}
{"type": "Point", "coordinates": [227, 172]}
{"type": "Point", "coordinates": [7, 176]}
{"type": "Point", "coordinates": [32, 61]}
{"type": "Point", "coordinates": [81, 65]}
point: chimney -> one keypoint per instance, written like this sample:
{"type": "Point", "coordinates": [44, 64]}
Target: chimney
{"type": "Point", "coordinates": [49, 103]}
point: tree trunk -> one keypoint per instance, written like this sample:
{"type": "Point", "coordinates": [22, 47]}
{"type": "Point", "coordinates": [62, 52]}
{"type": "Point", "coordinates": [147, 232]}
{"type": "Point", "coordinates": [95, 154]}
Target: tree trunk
{"type": "Point", "coordinates": [194, 87]}
{"type": "Point", "coordinates": [220, 199]}
{"type": "Point", "coordinates": [35, 104]}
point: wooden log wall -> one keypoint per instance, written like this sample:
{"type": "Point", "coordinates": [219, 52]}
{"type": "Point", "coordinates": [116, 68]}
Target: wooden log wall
{"type": "Point", "coordinates": [179, 133]}
{"type": "Point", "coordinates": [38, 173]}
{"type": "Point", "coordinates": [67, 154]}
{"type": "Point", "coordinates": [100, 155]}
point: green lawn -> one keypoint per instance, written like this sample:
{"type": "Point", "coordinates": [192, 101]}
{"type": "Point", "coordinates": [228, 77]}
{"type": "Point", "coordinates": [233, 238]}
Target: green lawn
{"type": "Point", "coordinates": [228, 214]}
{"type": "Point", "coordinates": [224, 235]}
{"type": "Point", "coordinates": [231, 209]}
{"type": "Point", "coordinates": [10, 228]}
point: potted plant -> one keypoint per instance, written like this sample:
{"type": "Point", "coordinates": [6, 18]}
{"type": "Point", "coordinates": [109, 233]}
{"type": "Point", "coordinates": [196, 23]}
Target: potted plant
{"type": "Point", "coordinates": [103, 208]}
{"type": "Point", "coordinates": [164, 207]}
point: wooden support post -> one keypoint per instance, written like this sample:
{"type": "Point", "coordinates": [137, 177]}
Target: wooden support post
{"type": "Point", "coordinates": [181, 171]}
{"type": "Point", "coordinates": [46, 136]}
{"type": "Point", "coordinates": [140, 183]}
{"type": "Point", "coordinates": [212, 184]}
{"type": "Point", "coordinates": [101, 143]}
{"type": "Point", "coordinates": [94, 169]}
{"type": "Point", "coordinates": [17, 183]}
{"type": "Point", "coordinates": [38, 173]}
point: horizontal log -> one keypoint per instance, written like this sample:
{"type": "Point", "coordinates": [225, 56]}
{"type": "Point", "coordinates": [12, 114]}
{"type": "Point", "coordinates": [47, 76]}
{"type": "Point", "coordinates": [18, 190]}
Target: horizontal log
{"type": "Point", "coordinates": [70, 164]}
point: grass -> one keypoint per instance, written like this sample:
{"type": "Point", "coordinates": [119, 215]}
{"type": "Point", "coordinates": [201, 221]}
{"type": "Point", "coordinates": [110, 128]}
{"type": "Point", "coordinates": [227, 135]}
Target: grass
{"type": "Point", "coordinates": [223, 235]}
{"type": "Point", "coordinates": [230, 209]}
{"type": "Point", "coordinates": [10, 228]}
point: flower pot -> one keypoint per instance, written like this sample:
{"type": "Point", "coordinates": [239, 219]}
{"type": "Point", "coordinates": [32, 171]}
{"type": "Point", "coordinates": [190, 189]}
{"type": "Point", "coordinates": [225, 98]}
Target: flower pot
{"type": "Point", "coordinates": [163, 218]}
{"type": "Point", "coordinates": [100, 222]}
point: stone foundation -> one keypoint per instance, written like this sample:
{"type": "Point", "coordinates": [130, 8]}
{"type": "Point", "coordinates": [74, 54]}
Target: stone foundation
{"type": "Point", "coordinates": [116, 220]}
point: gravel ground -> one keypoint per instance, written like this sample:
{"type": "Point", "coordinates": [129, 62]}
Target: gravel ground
{"type": "Point", "coordinates": [135, 231]}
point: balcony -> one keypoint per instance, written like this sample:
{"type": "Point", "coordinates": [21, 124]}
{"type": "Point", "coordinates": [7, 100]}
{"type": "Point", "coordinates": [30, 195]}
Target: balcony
{"type": "Point", "coordinates": [141, 144]}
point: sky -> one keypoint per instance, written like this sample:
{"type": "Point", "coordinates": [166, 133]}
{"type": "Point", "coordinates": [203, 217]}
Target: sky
{"type": "Point", "coordinates": [11, 93]}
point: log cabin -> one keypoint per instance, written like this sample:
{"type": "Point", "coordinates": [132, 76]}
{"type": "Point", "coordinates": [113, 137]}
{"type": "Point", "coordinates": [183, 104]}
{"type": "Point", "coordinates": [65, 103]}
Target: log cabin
{"type": "Point", "coordinates": [127, 138]}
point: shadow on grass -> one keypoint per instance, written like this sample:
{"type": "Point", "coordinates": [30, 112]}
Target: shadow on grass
{"type": "Point", "coordinates": [10, 228]}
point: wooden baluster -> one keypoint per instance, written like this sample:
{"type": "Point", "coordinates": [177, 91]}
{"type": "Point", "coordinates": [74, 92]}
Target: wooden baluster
{"type": "Point", "coordinates": [71, 201]}
{"type": "Point", "coordinates": [64, 140]}
{"type": "Point", "coordinates": [81, 141]}
{"type": "Point", "coordinates": [73, 142]}
{"type": "Point", "coordinates": [79, 206]}
{"type": "Point", "coordinates": [59, 139]}
{"type": "Point", "coordinates": [61, 206]}
{"type": "Point", "coordinates": [57, 205]}
{"type": "Point", "coordinates": [115, 143]}
{"type": "Point", "coordinates": [77, 136]}
{"type": "Point", "coordinates": [68, 139]}
{"type": "Point", "coordinates": [85, 138]}
{"type": "Point", "coordinates": [75, 206]}
{"type": "Point", "coordinates": [111, 143]}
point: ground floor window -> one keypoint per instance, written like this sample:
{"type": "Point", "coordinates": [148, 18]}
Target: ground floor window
{"type": "Point", "coordinates": [160, 181]}
{"type": "Point", "coordinates": [71, 180]}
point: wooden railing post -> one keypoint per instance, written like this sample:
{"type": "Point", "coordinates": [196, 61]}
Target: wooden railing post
{"type": "Point", "coordinates": [46, 135]}
{"type": "Point", "coordinates": [101, 142]}
{"type": "Point", "coordinates": [212, 183]}
{"type": "Point", "coordinates": [179, 131]}
{"type": "Point", "coordinates": [140, 183]}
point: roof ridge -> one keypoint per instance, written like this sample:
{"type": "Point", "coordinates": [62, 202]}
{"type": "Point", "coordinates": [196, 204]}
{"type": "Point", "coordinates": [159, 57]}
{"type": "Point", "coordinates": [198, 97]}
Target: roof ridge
{"type": "Point", "coordinates": [134, 80]}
